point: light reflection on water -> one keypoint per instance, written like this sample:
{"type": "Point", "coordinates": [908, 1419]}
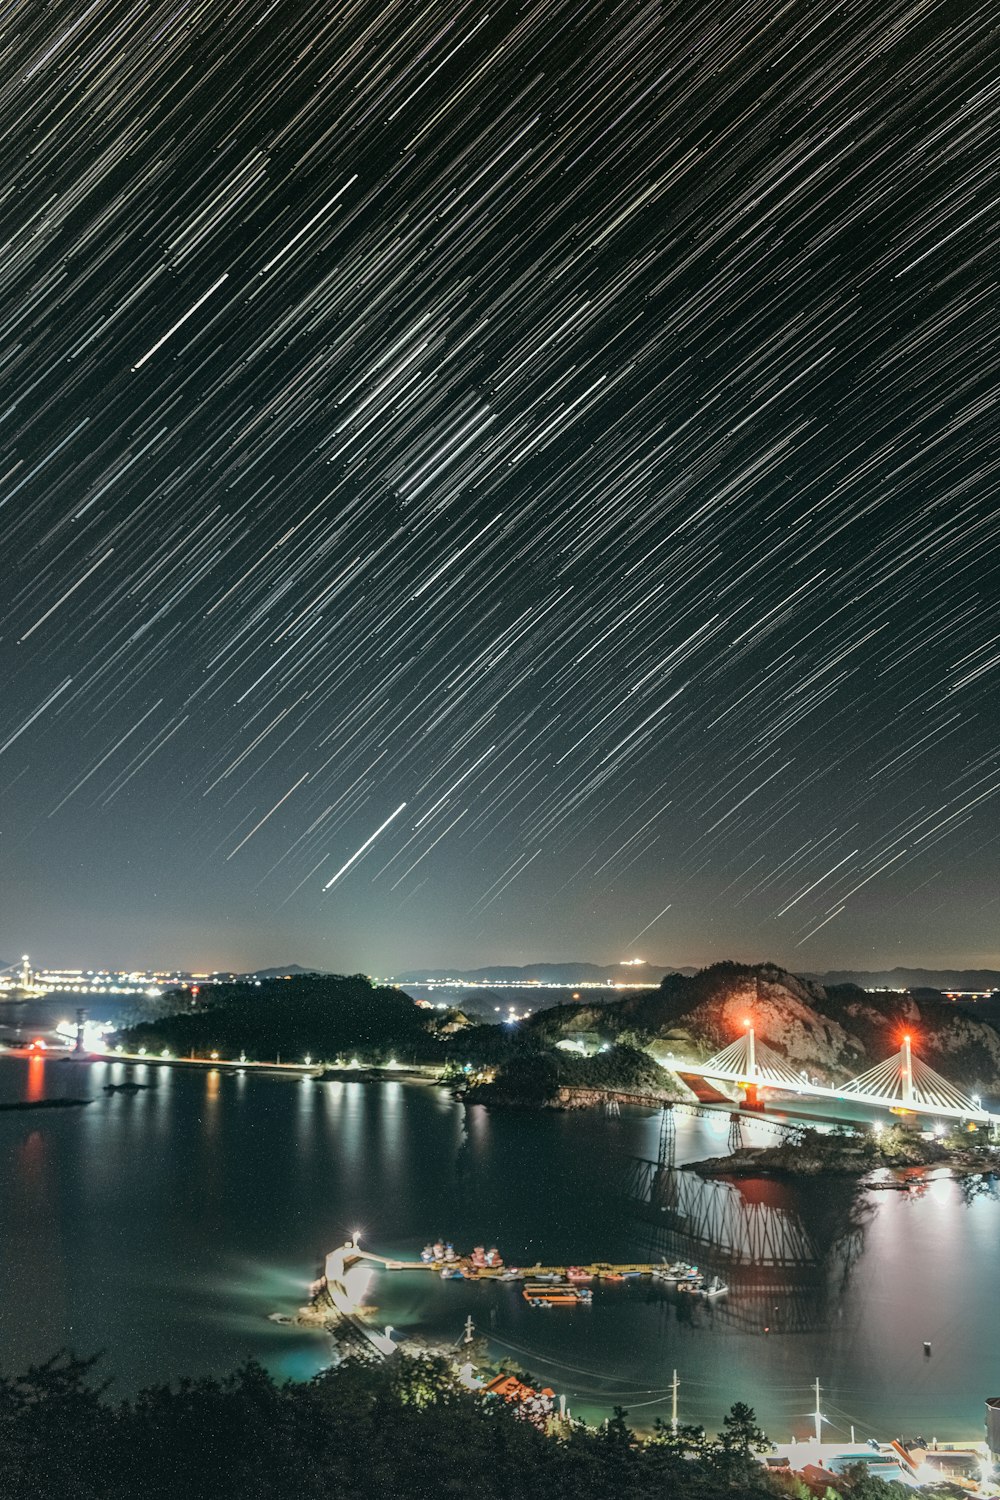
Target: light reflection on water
{"type": "Point", "coordinates": [165, 1225]}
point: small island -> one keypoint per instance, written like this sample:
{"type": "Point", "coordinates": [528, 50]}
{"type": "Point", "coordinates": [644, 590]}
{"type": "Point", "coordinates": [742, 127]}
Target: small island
{"type": "Point", "coordinates": [847, 1153]}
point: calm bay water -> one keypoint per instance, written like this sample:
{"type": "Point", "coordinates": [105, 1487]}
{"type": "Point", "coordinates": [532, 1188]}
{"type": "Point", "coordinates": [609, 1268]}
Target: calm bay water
{"type": "Point", "coordinates": [164, 1226]}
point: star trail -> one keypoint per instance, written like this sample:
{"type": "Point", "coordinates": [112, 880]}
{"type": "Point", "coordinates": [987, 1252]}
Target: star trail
{"type": "Point", "coordinates": [538, 464]}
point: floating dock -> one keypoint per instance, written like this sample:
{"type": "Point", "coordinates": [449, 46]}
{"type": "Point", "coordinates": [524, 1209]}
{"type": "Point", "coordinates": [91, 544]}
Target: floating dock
{"type": "Point", "coordinates": [596, 1270]}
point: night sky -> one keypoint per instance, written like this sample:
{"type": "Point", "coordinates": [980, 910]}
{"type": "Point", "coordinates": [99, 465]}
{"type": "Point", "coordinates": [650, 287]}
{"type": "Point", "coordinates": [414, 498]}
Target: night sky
{"type": "Point", "coordinates": [496, 485]}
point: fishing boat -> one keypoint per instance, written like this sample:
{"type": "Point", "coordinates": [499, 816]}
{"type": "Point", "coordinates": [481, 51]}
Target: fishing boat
{"type": "Point", "coordinates": [555, 1296]}
{"type": "Point", "coordinates": [553, 1299]}
{"type": "Point", "coordinates": [577, 1274]}
{"type": "Point", "coordinates": [679, 1270]}
{"type": "Point", "coordinates": [714, 1288]}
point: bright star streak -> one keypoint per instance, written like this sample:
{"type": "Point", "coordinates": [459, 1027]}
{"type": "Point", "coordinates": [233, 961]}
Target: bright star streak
{"type": "Point", "coordinates": [367, 843]}
{"type": "Point", "coordinates": [648, 925]}
{"type": "Point", "coordinates": [171, 331]}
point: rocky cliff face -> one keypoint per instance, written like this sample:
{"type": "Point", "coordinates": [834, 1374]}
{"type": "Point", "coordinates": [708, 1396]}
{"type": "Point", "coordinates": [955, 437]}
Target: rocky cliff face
{"type": "Point", "coordinates": [958, 1045]}
{"type": "Point", "coordinates": [834, 1033]}
{"type": "Point", "coordinates": [785, 1017]}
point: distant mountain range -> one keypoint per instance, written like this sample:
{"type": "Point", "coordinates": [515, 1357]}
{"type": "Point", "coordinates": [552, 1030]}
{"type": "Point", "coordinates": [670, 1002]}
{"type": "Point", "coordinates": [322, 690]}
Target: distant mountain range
{"type": "Point", "coordinates": [579, 973]}
{"type": "Point", "coordinates": [900, 978]}
{"type": "Point", "coordinates": [568, 973]}
{"type": "Point", "coordinates": [913, 979]}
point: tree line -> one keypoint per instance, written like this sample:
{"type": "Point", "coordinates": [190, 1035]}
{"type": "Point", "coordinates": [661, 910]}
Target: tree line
{"type": "Point", "coordinates": [405, 1428]}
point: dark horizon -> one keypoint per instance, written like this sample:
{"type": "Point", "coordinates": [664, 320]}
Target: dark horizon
{"type": "Point", "coordinates": [499, 484]}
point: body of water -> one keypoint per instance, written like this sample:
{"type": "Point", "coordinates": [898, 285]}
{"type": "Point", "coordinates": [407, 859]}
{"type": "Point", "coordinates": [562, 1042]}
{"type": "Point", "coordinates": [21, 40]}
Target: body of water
{"type": "Point", "coordinates": [162, 1227]}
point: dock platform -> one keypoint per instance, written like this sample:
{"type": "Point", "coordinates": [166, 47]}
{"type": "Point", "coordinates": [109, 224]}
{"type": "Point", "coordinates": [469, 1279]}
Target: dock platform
{"type": "Point", "coordinates": [599, 1270]}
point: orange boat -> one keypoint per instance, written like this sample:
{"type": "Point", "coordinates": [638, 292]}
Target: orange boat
{"type": "Point", "coordinates": [554, 1296]}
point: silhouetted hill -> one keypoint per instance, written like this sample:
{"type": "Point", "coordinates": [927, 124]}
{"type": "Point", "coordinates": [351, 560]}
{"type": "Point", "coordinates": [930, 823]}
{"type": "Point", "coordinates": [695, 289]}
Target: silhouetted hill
{"type": "Point", "coordinates": [320, 1015]}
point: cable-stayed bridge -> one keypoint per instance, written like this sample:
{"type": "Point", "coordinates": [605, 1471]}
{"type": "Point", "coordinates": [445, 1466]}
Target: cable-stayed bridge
{"type": "Point", "coordinates": [902, 1082]}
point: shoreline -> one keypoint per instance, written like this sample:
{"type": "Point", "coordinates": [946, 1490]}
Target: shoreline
{"type": "Point", "coordinates": [320, 1072]}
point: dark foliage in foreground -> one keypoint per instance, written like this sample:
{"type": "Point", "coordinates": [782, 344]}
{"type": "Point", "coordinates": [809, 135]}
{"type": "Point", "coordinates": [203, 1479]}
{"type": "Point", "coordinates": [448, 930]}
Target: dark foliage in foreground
{"type": "Point", "coordinates": [405, 1428]}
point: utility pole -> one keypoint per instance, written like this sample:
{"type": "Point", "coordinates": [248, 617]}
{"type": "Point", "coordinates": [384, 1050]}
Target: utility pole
{"type": "Point", "coordinates": [469, 1330]}
{"type": "Point", "coordinates": [816, 1414]}
{"type": "Point", "coordinates": [673, 1405]}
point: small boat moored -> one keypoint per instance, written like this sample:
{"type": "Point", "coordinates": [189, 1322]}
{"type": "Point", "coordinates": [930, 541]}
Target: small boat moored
{"type": "Point", "coordinates": [555, 1296]}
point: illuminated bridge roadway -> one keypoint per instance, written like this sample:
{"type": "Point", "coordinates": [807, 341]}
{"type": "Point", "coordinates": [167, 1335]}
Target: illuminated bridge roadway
{"type": "Point", "coordinates": [902, 1082]}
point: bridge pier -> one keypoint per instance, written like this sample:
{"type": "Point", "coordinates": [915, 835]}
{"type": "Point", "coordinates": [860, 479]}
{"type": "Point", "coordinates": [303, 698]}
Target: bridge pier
{"type": "Point", "coordinates": [668, 1137]}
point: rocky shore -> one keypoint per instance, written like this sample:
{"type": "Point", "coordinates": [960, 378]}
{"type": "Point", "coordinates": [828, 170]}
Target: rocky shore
{"type": "Point", "coordinates": [815, 1154]}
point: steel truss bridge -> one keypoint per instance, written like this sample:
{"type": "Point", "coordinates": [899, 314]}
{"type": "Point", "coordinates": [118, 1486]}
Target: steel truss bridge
{"type": "Point", "coordinates": [902, 1082]}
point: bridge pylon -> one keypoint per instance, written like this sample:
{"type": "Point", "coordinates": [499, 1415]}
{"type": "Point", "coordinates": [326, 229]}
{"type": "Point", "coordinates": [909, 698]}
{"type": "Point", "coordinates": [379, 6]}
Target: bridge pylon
{"type": "Point", "coordinates": [906, 1072]}
{"type": "Point", "coordinates": [906, 1081]}
{"type": "Point", "coordinates": [749, 1061]}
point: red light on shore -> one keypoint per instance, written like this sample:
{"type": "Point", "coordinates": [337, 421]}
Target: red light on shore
{"type": "Point", "coordinates": [37, 1045]}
